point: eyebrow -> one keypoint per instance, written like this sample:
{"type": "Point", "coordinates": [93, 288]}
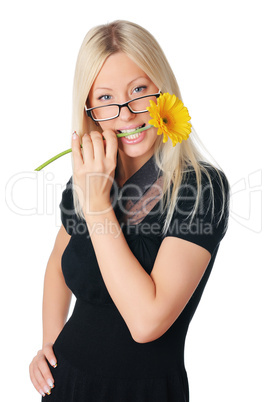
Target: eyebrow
{"type": "Point", "coordinates": [129, 83]}
{"type": "Point", "coordinates": [109, 89]}
{"type": "Point", "coordinates": [137, 78]}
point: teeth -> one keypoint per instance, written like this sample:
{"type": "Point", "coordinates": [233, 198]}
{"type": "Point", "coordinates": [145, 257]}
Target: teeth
{"type": "Point", "coordinates": [129, 131]}
{"type": "Point", "coordinates": [132, 137]}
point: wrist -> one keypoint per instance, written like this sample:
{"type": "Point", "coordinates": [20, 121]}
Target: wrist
{"type": "Point", "coordinates": [46, 344]}
{"type": "Point", "coordinates": [96, 209]}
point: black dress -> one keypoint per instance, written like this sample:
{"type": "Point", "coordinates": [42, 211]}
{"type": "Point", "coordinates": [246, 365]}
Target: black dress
{"type": "Point", "coordinates": [98, 360]}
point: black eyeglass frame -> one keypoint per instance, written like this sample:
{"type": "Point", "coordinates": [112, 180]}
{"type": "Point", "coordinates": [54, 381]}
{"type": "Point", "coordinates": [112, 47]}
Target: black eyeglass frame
{"type": "Point", "coordinates": [126, 104]}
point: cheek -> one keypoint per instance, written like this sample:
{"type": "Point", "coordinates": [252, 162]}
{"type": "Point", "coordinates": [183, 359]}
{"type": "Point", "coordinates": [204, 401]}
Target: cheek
{"type": "Point", "coordinates": [106, 125]}
{"type": "Point", "coordinates": [153, 134]}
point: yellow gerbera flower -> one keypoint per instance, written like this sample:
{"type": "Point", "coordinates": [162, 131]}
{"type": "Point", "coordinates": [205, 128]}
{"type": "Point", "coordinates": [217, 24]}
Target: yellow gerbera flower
{"type": "Point", "coordinates": [171, 118]}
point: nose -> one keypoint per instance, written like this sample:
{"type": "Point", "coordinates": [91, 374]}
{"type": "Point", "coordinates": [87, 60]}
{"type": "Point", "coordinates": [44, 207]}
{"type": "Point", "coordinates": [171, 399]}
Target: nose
{"type": "Point", "coordinates": [126, 114]}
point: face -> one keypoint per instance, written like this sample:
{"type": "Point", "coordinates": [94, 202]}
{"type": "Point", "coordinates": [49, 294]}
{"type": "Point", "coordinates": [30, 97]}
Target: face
{"type": "Point", "coordinates": [119, 81]}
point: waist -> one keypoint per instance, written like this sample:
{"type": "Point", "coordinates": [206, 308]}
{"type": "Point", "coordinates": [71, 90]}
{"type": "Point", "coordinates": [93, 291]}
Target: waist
{"type": "Point", "coordinates": [96, 339]}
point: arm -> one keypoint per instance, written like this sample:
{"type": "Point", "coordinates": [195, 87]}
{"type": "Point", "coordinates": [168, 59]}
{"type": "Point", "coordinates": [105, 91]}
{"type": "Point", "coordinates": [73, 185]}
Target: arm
{"type": "Point", "coordinates": [56, 302]}
{"type": "Point", "coordinates": [149, 304]}
{"type": "Point", "coordinates": [56, 295]}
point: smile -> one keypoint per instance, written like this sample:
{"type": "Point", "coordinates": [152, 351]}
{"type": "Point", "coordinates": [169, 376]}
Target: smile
{"type": "Point", "coordinates": [133, 133]}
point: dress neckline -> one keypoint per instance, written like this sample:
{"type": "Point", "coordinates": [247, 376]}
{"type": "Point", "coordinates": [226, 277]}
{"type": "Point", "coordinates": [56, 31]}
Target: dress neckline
{"type": "Point", "coordinates": [138, 195]}
{"type": "Point", "coordinates": [137, 184]}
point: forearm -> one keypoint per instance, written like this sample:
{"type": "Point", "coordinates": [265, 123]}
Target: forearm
{"type": "Point", "coordinates": [56, 302]}
{"type": "Point", "coordinates": [130, 286]}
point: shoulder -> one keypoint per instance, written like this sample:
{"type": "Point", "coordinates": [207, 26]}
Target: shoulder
{"type": "Point", "coordinates": [68, 216]}
{"type": "Point", "coordinates": [201, 209]}
{"type": "Point", "coordinates": [67, 203]}
{"type": "Point", "coordinates": [209, 175]}
{"type": "Point", "coordinates": [206, 191]}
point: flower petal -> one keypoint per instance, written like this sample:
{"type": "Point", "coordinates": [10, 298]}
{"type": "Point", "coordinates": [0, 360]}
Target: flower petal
{"type": "Point", "coordinates": [171, 118]}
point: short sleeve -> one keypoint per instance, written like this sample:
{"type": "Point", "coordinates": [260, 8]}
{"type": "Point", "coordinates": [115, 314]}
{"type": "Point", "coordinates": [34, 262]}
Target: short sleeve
{"type": "Point", "coordinates": [208, 225]}
{"type": "Point", "coordinates": [68, 217]}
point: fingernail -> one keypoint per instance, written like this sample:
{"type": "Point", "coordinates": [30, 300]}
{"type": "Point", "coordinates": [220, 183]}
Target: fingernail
{"type": "Point", "coordinates": [74, 135]}
{"type": "Point", "coordinates": [50, 383]}
{"type": "Point", "coordinates": [41, 392]}
{"type": "Point", "coordinates": [53, 363]}
{"type": "Point", "coordinates": [47, 390]}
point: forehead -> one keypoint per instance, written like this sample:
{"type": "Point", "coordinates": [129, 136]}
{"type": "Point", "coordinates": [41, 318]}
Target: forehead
{"type": "Point", "coordinates": [118, 70]}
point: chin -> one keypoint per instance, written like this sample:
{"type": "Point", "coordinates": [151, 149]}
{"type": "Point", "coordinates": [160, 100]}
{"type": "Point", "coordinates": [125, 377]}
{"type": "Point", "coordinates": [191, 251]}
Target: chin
{"type": "Point", "coordinates": [135, 150]}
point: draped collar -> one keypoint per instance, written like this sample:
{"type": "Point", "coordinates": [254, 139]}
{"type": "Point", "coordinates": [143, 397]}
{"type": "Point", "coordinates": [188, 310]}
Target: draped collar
{"type": "Point", "coordinates": [138, 191]}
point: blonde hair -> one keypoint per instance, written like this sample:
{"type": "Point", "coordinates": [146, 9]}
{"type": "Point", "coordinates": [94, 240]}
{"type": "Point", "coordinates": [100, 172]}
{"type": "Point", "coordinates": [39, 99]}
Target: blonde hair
{"type": "Point", "coordinates": [135, 41]}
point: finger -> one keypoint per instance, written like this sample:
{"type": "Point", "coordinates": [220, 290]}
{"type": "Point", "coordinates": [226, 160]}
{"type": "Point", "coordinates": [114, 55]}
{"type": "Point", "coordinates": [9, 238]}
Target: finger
{"type": "Point", "coordinates": [37, 379]}
{"type": "Point", "coordinates": [98, 145]}
{"type": "Point", "coordinates": [76, 151]}
{"type": "Point", "coordinates": [111, 144]}
{"type": "Point", "coordinates": [88, 149]}
{"type": "Point", "coordinates": [49, 354]}
{"type": "Point", "coordinates": [40, 380]}
{"type": "Point", "coordinates": [44, 368]}
{"type": "Point", "coordinates": [36, 384]}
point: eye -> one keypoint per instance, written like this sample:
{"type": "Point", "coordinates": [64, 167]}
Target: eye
{"type": "Point", "coordinates": [104, 97]}
{"type": "Point", "coordinates": [137, 90]}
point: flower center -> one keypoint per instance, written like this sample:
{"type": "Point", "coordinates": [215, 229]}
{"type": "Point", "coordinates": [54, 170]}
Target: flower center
{"type": "Point", "coordinates": [165, 120]}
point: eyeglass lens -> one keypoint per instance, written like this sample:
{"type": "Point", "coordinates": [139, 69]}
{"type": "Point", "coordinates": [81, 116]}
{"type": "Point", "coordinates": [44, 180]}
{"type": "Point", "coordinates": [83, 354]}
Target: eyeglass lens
{"type": "Point", "coordinates": [109, 111]}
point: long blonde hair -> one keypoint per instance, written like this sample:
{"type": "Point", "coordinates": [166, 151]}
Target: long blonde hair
{"type": "Point", "coordinates": [130, 38]}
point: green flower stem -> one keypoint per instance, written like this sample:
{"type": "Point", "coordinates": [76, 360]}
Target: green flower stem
{"type": "Point", "coordinates": [54, 158]}
{"type": "Point", "coordinates": [139, 130]}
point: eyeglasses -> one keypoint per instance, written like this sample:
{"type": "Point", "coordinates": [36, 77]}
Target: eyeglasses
{"type": "Point", "coordinates": [111, 111]}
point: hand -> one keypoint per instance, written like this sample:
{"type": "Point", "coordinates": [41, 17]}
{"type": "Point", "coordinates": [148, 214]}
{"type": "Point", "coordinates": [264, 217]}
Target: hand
{"type": "Point", "coordinates": [40, 373]}
{"type": "Point", "coordinates": [94, 170]}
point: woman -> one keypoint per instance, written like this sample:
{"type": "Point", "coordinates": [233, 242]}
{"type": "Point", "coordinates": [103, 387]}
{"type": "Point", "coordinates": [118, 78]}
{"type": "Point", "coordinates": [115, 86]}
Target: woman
{"type": "Point", "coordinates": [142, 221]}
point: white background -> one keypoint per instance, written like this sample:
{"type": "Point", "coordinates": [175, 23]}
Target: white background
{"type": "Point", "coordinates": [218, 53]}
